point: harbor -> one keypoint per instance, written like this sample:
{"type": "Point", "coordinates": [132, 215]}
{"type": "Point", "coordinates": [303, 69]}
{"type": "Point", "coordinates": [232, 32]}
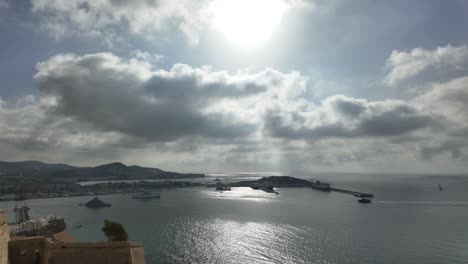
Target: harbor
{"type": "Point", "coordinates": [354, 193]}
{"type": "Point", "coordinates": [294, 217]}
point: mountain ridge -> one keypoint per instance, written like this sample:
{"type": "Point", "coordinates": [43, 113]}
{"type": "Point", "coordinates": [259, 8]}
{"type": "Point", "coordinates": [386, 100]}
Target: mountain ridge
{"type": "Point", "coordinates": [32, 170]}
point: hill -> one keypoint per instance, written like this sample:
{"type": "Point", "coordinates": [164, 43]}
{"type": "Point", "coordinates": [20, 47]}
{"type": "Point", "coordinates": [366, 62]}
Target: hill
{"type": "Point", "coordinates": [37, 171]}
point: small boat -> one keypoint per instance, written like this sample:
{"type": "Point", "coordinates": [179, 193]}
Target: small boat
{"type": "Point", "coordinates": [146, 195]}
{"type": "Point", "coordinates": [440, 188]}
{"type": "Point", "coordinates": [96, 202]}
{"type": "Point", "coordinates": [364, 195]}
{"type": "Point", "coordinates": [364, 200]}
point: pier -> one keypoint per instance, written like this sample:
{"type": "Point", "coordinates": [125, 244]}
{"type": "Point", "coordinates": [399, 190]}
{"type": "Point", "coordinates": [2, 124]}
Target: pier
{"type": "Point", "coordinates": [357, 194]}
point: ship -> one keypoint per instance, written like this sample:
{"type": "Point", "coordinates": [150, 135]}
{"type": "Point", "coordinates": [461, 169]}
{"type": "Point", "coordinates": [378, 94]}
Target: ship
{"type": "Point", "coordinates": [146, 195]}
{"type": "Point", "coordinates": [222, 187]}
{"type": "Point", "coordinates": [364, 200]}
{"type": "Point", "coordinates": [25, 226]}
{"type": "Point", "coordinates": [321, 186]}
{"type": "Point", "coordinates": [96, 202]}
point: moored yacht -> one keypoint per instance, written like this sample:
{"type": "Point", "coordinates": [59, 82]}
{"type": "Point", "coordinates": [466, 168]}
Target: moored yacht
{"type": "Point", "coordinates": [96, 202]}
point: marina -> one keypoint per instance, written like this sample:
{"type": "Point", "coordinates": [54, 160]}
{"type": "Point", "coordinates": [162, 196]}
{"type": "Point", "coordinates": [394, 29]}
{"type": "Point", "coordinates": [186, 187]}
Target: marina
{"type": "Point", "coordinates": [288, 224]}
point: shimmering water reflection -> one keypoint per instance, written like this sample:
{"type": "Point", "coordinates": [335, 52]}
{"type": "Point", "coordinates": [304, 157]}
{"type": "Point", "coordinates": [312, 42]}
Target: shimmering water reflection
{"type": "Point", "coordinates": [226, 241]}
{"type": "Point", "coordinates": [241, 193]}
{"type": "Point", "coordinates": [409, 222]}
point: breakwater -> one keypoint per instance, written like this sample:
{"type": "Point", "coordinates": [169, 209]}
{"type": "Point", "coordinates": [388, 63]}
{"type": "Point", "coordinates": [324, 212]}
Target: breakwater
{"type": "Point", "coordinates": [355, 193]}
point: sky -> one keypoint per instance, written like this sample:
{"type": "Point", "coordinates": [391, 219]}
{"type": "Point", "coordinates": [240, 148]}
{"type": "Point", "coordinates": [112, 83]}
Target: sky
{"type": "Point", "coordinates": [221, 86]}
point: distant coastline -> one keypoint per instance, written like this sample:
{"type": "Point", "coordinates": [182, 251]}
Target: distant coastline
{"type": "Point", "coordinates": [36, 179]}
{"type": "Point", "coordinates": [41, 191]}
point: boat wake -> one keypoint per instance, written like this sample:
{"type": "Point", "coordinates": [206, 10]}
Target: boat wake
{"type": "Point", "coordinates": [435, 203]}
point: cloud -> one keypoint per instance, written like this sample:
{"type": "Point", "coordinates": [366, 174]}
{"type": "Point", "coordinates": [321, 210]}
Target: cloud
{"type": "Point", "coordinates": [403, 65]}
{"type": "Point", "coordinates": [129, 97]}
{"type": "Point", "coordinates": [4, 4]}
{"type": "Point", "coordinates": [452, 147]}
{"type": "Point", "coordinates": [131, 109]}
{"type": "Point", "coordinates": [27, 125]}
{"type": "Point", "coordinates": [450, 99]}
{"type": "Point", "coordinates": [346, 117]}
{"type": "Point", "coordinates": [103, 18]}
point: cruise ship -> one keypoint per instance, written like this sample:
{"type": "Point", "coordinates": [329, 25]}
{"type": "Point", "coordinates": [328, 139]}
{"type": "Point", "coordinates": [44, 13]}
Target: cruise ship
{"type": "Point", "coordinates": [322, 186]}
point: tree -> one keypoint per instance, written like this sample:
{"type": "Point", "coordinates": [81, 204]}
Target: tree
{"type": "Point", "coordinates": [114, 231]}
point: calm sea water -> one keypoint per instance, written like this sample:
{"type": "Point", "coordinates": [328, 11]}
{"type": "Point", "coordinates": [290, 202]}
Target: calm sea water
{"type": "Point", "coordinates": [410, 221]}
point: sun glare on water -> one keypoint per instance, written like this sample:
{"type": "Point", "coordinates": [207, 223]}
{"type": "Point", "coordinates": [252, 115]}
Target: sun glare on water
{"type": "Point", "coordinates": [248, 23]}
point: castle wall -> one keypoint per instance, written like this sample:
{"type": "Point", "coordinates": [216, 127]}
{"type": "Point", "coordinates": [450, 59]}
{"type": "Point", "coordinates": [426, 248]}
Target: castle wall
{"type": "Point", "coordinates": [25, 251]}
{"type": "Point", "coordinates": [102, 252]}
{"type": "Point", "coordinates": [4, 238]}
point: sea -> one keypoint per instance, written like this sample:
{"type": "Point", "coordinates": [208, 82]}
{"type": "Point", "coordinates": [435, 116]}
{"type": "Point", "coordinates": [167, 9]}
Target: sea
{"type": "Point", "coordinates": [409, 221]}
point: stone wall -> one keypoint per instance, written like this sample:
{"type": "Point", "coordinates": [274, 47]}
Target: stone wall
{"type": "Point", "coordinates": [26, 250]}
{"type": "Point", "coordinates": [101, 252]}
{"type": "Point", "coordinates": [4, 238]}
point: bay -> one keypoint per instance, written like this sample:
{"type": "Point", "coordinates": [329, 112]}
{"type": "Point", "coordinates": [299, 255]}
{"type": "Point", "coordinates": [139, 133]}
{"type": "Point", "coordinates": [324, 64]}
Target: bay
{"type": "Point", "coordinates": [409, 221]}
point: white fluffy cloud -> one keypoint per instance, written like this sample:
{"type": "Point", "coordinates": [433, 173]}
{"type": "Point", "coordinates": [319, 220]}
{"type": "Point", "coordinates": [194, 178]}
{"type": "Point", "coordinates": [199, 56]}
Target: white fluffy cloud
{"type": "Point", "coordinates": [403, 65]}
{"type": "Point", "coordinates": [103, 17]}
{"type": "Point", "coordinates": [108, 104]}
{"type": "Point", "coordinates": [128, 96]}
{"type": "Point", "coordinates": [344, 117]}
{"type": "Point", "coordinates": [140, 16]}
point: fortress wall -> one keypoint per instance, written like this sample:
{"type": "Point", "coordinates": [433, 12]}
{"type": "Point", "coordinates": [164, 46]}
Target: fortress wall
{"type": "Point", "coordinates": [101, 252]}
{"type": "Point", "coordinates": [4, 238]}
{"type": "Point", "coordinates": [26, 250]}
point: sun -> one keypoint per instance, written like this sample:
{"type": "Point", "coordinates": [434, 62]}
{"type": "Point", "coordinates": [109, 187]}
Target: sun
{"type": "Point", "coordinates": [248, 23]}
